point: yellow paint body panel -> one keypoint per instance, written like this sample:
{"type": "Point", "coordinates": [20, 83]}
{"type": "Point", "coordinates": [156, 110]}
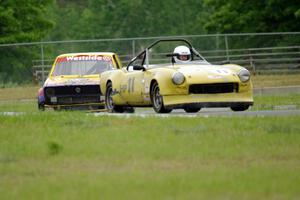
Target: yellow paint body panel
{"type": "Point", "coordinates": [133, 87]}
{"type": "Point", "coordinates": [205, 98]}
{"type": "Point", "coordinates": [55, 81]}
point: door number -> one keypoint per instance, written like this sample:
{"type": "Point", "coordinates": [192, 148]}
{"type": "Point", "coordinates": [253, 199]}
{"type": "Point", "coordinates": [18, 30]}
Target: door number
{"type": "Point", "coordinates": [130, 87]}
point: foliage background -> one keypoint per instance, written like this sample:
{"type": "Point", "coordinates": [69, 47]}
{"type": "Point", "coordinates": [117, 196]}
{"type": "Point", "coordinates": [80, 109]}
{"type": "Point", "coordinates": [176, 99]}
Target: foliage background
{"type": "Point", "coordinates": [52, 20]}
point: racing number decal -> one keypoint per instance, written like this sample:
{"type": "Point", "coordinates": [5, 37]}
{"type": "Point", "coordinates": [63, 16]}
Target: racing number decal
{"type": "Point", "coordinates": [130, 87]}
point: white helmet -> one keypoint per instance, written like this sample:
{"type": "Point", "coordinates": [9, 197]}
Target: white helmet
{"type": "Point", "coordinates": [184, 54]}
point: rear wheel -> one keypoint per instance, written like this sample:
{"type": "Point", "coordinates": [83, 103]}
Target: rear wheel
{"type": "Point", "coordinates": [109, 103]}
{"type": "Point", "coordinates": [157, 100]}
{"type": "Point", "coordinates": [191, 109]}
{"type": "Point", "coordinates": [240, 108]}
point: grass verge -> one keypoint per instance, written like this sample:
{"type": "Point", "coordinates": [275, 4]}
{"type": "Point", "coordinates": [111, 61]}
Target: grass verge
{"type": "Point", "coordinates": [261, 102]}
{"type": "Point", "coordinates": [18, 93]}
{"type": "Point", "coordinates": [275, 80]}
{"type": "Point", "coordinates": [71, 155]}
{"type": "Point", "coordinates": [271, 102]}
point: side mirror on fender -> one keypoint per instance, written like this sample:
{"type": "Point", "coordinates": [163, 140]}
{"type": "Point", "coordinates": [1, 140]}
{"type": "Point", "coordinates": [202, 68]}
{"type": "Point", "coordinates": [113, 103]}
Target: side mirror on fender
{"type": "Point", "coordinates": [138, 67]}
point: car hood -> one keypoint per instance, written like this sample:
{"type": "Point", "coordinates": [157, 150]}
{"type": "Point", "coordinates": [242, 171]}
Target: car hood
{"type": "Point", "coordinates": [72, 80]}
{"type": "Point", "coordinates": [209, 73]}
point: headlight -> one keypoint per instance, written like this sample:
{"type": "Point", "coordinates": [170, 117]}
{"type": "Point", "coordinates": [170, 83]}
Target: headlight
{"type": "Point", "coordinates": [244, 75]}
{"type": "Point", "coordinates": [50, 92]}
{"type": "Point", "coordinates": [178, 78]}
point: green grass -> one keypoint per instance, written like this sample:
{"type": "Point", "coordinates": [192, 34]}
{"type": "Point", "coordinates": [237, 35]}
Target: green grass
{"type": "Point", "coordinates": [19, 93]}
{"type": "Point", "coordinates": [72, 155]}
{"type": "Point", "coordinates": [18, 106]}
{"type": "Point", "coordinates": [275, 80]}
{"type": "Point", "coordinates": [264, 102]}
{"type": "Point", "coordinates": [270, 102]}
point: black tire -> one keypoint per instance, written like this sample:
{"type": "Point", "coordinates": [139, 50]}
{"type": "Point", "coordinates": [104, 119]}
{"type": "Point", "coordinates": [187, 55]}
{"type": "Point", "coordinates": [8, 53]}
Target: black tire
{"type": "Point", "coordinates": [191, 109]}
{"type": "Point", "coordinates": [240, 108]}
{"type": "Point", "coordinates": [41, 107]}
{"type": "Point", "coordinates": [99, 107]}
{"type": "Point", "coordinates": [109, 104]}
{"type": "Point", "coordinates": [157, 100]}
{"type": "Point", "coordinates": [56, 108]}
{"type": "Point", "coordinates": [129, 109]}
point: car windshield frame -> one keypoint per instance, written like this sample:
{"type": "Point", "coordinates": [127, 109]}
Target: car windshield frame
{"type": "Point", "coordinates": [144, 55]}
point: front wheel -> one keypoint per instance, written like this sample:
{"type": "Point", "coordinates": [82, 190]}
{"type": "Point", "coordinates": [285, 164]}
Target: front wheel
{"type": "Point", "coordinates": [157, 100]}
{"type": "Point", "coordinates": [41, 106]}
{"type": "Point", "coordinates": [240, 108]}
{"type": "Point", "coordinates": [109, 103]}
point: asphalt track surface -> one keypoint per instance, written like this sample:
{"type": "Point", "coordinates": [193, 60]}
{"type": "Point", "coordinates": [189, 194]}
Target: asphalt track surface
{"type": "Point", "coordinates": [206, 112]}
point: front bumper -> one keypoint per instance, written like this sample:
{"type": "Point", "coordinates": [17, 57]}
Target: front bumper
{"type": "Point", "coordinates": [75, 102]}
{"type": "Point", "coordinates": [85, 106]}
{"type": "Point", "coordinates": [209, 100]}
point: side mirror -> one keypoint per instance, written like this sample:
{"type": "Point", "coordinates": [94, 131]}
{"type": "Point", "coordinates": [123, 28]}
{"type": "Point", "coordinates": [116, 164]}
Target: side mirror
{"type": "Point", "coordinates": [138, 67]}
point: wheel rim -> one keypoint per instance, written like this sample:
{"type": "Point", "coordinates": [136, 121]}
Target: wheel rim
{"type": "Point", "coordinates": [157, 98]}
{"type": "Point", "coordinates": [109, 99]}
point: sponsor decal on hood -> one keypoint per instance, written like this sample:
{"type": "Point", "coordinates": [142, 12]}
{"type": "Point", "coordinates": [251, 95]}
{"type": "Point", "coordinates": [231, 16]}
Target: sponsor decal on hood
{"type": "Point", "coordinates": [211, 70]}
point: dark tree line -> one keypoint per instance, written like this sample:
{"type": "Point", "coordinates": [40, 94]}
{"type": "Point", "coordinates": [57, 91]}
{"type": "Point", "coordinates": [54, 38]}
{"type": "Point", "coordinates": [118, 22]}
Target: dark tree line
{"type": "Point", "coordinates": [34, 20]}
{"type": "Point", "coordinates": [37, 20]}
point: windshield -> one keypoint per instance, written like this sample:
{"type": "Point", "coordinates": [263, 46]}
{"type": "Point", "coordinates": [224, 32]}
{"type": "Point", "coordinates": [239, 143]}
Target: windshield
{"type": "Point", "coordinates": [166, 53]}
{"type": "Point", "coordinates": [82, 65]}
{"type": "Point", "coordinates": [156, 58]}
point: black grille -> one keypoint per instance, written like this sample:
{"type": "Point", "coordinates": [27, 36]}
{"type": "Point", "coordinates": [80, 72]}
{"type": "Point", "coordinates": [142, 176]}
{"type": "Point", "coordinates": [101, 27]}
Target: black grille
{"type": "Point", "coordinates": [72, 90]}
{"type": "Point", "coordinates": [213, 88]}
{"type": "Point", "coordinates": [72, 94]}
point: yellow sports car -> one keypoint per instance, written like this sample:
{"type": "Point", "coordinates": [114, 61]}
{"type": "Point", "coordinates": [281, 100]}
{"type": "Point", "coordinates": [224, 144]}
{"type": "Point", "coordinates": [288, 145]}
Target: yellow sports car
{"type": "Point", "coordinates": [73, 81]}
{"type": "Point", "coordinates": [182, 78]}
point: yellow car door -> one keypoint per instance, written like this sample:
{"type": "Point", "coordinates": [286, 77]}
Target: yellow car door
{"type": "Point", "coordinates": [132, 86]}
